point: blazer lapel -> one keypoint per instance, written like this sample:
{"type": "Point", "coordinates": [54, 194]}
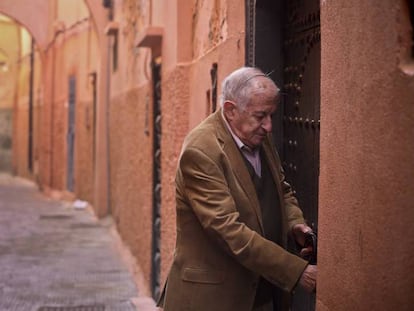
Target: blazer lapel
{"type": "Point", "coordinates": [238, 165]}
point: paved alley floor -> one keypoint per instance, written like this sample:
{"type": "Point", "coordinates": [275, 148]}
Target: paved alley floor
{"type": "Point", "coordinates": [54, 257]}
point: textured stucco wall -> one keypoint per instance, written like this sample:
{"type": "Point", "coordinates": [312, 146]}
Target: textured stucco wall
{"type": "Point", "coordinates": [85, 148]}
{"type": "Point", "coordinates": [130, 135]}
{"type": "Point", "coordinates": [367, 159]}
{"type": "Point", "coordinates": [175, 126]}
{"type": "Point", "coordinates": [131, 172]}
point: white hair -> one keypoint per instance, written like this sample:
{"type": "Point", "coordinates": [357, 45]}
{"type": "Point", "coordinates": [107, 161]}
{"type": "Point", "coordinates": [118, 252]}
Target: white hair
{"type": "Point", "coordinates": [246, 83]}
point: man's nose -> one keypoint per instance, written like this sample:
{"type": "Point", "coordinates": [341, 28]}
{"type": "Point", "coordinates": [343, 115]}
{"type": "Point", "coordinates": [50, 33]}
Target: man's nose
{"type": "Point", "coordinates": [267, 123]}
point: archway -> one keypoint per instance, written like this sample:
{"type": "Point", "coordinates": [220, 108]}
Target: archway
{"type": "Point", "coordinates": [65, 67]}
{"type": "Point", "coordinates": [20, 90]}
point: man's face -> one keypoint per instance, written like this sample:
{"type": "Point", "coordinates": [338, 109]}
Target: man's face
{"type": "Point", "coordinates": [253, 123]}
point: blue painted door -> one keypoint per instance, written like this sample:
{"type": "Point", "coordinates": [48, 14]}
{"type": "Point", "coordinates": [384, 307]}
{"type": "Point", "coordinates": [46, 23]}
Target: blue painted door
{"type": "Point", "coordinates": [71, 134]}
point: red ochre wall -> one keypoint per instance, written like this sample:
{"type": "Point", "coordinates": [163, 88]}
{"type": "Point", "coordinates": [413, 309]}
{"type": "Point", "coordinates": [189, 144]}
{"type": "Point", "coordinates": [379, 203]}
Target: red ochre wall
{"type": "Point", "coordinates": [367, 158]}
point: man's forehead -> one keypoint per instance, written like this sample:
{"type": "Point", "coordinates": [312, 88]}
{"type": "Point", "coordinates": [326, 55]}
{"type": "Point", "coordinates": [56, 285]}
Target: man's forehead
{"type": "Point", "coordinates": [262, 105]}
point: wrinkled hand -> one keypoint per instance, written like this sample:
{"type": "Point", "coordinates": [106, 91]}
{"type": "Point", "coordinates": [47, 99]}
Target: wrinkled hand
{"type": "Point", "coordinates": [299, 232]}
{"type": "Point", "coordinates": [308, 278]}
{"type": "Point", "coordinates": [306, 242]}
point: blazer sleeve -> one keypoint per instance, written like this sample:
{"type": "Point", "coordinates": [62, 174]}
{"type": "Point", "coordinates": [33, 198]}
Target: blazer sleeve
{"type": "Point", "coordinates": [205, 188]}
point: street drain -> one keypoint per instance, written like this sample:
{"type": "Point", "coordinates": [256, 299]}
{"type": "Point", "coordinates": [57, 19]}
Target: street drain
{"type": "Point", "coordinates": [84, 226]}
{"type": "Point", "coordinates": [74, 308]}
{"type": "Point", "coordinates": [55, 216]}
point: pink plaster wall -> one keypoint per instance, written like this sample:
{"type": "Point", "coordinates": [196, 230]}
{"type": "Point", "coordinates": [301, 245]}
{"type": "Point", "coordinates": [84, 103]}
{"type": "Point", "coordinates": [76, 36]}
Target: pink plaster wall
{"type": "Point", "coordinates": [131, 172]}
{"type": "Point", "coordinates": [367, 160]}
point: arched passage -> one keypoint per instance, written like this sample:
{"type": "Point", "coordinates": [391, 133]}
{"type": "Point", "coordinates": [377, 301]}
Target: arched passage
{"type": "Point", "coordinates": [20, 89]}
{"type": "Point", "coordinates": [67, 75]}
{"type": "Point", "coordinates": [33, 15]}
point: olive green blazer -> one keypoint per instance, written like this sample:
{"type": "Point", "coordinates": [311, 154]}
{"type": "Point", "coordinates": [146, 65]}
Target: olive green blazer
{"type": "Point", "coordinates": [220, 249]}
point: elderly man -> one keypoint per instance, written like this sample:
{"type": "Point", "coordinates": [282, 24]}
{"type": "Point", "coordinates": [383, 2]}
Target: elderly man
{"type": "Point", "coordinates": [235, 209]}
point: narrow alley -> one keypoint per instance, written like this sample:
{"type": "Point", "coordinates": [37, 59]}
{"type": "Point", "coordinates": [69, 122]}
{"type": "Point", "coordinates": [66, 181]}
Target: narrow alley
{"type": "Point", "coordinates": [54, 256]}
{"type": "Point", "coordinates": [98, 97]}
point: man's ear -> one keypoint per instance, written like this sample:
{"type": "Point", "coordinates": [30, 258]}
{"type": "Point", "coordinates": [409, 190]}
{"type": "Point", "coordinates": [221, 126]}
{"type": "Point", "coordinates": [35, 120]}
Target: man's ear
{"type": "Point", "coordinates": [229, 110]}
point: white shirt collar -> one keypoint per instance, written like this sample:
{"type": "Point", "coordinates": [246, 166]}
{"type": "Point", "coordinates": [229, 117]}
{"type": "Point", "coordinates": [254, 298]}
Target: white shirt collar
{"type": "Point", "coordinates": [239, 143]}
